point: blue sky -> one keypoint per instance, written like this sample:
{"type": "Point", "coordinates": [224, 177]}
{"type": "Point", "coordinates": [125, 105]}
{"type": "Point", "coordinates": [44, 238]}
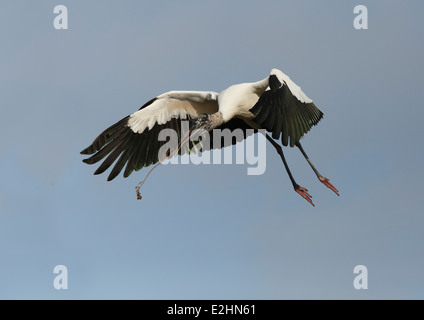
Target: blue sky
{"type": "Point", "coordinates": [211, 231]}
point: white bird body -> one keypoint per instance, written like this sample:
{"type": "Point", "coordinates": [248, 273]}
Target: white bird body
{"type": "Point", "coordinates": [275, 103]}
{"type": "Point", "coordinates": [235, 101]}
{"type": "Point", "coordinates": [238, 99]}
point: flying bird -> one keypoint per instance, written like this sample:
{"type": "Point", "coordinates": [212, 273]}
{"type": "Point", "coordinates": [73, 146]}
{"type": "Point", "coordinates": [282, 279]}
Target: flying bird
{"type": "Point", "coordinates": [275, 104]}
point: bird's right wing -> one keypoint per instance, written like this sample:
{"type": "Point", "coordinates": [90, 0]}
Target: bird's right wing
{"type": "Point", "coordinates": [135, 138]}
{"type": "Point", "coordinates": [284, 109]}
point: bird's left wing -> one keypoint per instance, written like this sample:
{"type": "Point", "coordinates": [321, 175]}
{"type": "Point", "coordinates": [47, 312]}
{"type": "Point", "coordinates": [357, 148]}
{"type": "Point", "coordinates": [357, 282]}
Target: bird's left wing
{"type": "Point", "coordinates": [285, 109]}
{"type": "Point", "coordinates": [134, 139]}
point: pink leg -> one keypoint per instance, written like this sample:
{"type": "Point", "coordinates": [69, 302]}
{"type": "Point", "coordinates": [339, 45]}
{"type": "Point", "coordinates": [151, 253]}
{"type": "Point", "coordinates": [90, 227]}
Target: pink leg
{"type": "Point", "coordinates": [304, 193]}
{"type": "Point", "coordinates": [327, 183]}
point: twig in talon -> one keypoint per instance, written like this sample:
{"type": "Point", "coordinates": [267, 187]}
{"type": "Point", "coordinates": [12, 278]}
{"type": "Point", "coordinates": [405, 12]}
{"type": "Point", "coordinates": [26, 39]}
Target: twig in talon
{"type": "Point", "coordinates": [140, 184]}
{"type": "Point", "coordinates": [137, 188]}
{"type": "Point", "coordinates": [167, 155]}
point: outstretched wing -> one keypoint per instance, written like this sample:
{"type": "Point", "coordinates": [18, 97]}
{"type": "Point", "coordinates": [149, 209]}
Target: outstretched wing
{"type": "Point", "coordinates": [134, 140]}
{"type": "Point", "coordinates": [285, 109]}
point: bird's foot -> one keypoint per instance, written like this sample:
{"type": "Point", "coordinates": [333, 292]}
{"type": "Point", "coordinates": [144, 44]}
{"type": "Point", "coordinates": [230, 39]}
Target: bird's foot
{"type": "Point", "coordinates": [304, 193]}
{"type": "Point", "coordinates": [327, 183]}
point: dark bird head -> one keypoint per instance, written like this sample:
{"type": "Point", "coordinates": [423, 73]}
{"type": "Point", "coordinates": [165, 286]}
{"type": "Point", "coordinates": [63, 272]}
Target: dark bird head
{"type": "Point", "coordinates": [203, 121]}
{"type": "Point", "coordinates": [207, 122]}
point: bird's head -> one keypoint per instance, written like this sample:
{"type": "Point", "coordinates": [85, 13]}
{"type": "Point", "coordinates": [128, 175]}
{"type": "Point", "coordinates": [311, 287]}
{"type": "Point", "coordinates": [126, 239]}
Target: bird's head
{"type": "Point", "coordinates": [206, 122]}
{"type": "Point", "coordinates": [203, 121]}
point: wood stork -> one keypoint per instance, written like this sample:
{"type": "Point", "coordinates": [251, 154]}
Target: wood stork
{"type": "Point", "coordinates": [275, 103]}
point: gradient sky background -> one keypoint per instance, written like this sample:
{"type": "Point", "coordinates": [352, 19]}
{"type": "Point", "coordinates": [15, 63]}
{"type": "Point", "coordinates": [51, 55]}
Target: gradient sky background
{"type": "Point", "coordinates": [211, 231]}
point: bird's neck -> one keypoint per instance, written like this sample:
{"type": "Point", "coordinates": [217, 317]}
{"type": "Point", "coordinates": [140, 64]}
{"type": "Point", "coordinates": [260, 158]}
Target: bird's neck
{"type": "Point", "coordinates": [260, 86]}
